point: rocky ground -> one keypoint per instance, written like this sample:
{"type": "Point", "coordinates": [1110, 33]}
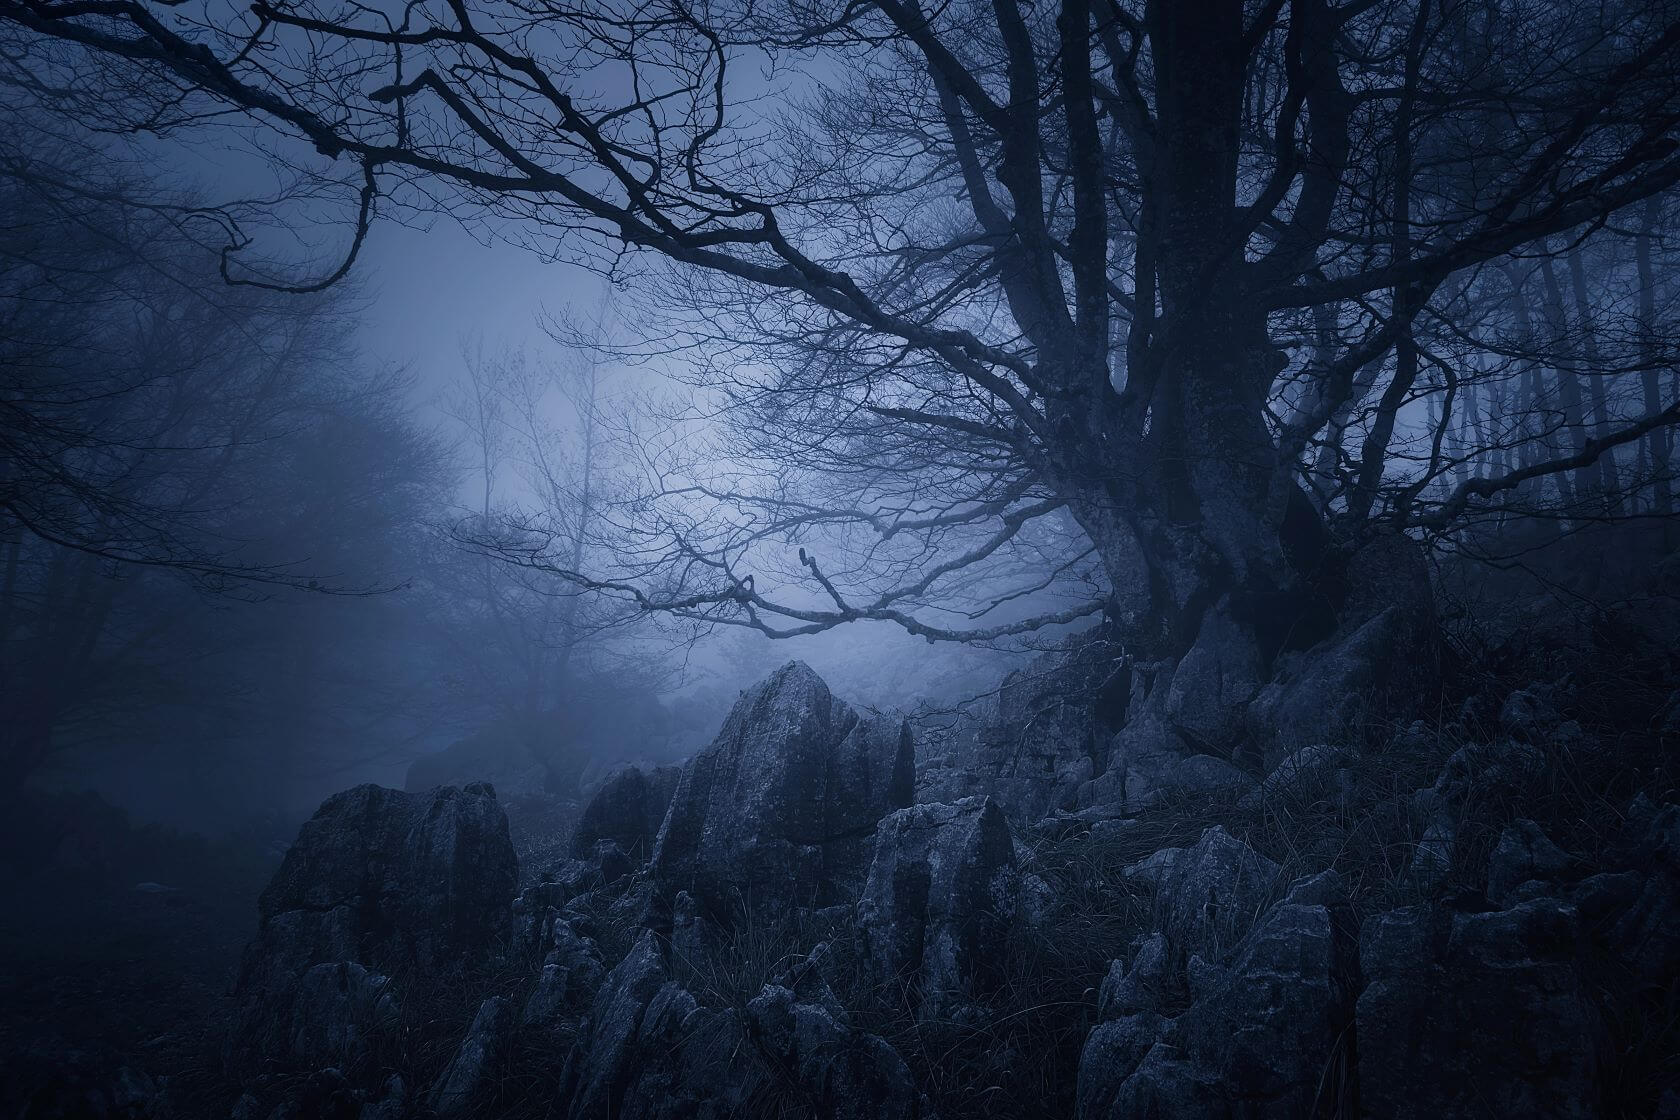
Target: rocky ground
{"type": "Point", "coordinates": [1030, 912]}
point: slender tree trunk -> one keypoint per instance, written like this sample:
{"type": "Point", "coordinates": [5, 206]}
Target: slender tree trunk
{"type": "Point", "coordinates": [1608, 480]}
{"type": "Point", "coordinates": [1656, 445]}
{"type": "Point", "coordinates": [1584, 480]}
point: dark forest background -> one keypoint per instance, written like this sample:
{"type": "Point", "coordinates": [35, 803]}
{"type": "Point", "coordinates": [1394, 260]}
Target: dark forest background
{"type": "Point", "coordinates": [1317, 364]}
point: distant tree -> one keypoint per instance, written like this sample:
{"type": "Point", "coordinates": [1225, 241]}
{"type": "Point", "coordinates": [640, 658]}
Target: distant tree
{"type": "Point", "coordinates": [1143, 300]}
{"type": "Point", "coordinates": [533, 656]}
{"type": "Point", "coordinates": [166, 436]}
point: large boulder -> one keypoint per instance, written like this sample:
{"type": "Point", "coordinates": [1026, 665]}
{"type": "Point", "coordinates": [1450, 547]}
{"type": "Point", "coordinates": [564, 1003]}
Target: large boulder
{"type": "Point", "coordinates": [1208, 696]}
{"type": "Point", "coordinates": [938, 901]}
{"type": "Point", "coordinates": [627, 810]}
{"type": "Point", "coordinates": [1524, 854]}
{"type": "Point", "coordinates": [1469, 1015]}
{"type": "Point", "coordinates": [383, 879]}
{"type": "Point", "coordinates": [778, 809]}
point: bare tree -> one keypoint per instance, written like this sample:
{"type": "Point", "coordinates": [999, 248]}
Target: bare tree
{"type": "Point", "coordinates": [980, 286]}
{"type": "Point", "coordinates": [528, 649]}
{"type": "Point", "coordinates": [147, 413]}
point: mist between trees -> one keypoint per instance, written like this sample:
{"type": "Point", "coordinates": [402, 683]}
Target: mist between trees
{"type": "Point", "coordinates": [981, 322]}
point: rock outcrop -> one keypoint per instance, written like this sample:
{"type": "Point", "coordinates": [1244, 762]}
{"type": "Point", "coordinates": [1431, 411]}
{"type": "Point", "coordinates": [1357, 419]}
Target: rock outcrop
{"type": "Point", "coordinates": [1266, 1021]}
{"type": "Point", "coordinates": [465, 1081]}
{"type": "Point", "coordinates": [939, 901]}
{"type": "Point", "coordinates": [627, 810]}
{"type": "Point", "coordinates": [378, 879]}
{"type": "Point", "coordinates": [649, 1050]}
{"type": "Point", "coordinates": [841, 1073]}
{"type": "Point", "coordinates": [1206, 896]}
{"type": "Point", "coordinates": [1044, 734]}
{"type": "Point", "coordinates": [777, 811]}
{"type": "Point", "coordinates": [1476, 1014]}
{"type": "Point", "coordinates": [337, 1009]}
{"type": "Point", "coordinates": [1382, 654]}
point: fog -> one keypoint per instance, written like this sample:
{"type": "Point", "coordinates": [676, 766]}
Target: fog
{"type": "Point", "coordinates": [1001, 536]}
{"type": "Point", "coordinates": [355, 633]}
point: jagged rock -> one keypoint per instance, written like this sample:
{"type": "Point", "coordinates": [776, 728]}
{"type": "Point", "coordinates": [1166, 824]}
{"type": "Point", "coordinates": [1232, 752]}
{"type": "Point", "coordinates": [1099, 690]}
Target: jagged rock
{"type": "Point", "coordinates": [1470, 1015]}
{"type": "Point", "coordinates": [1524, 854]}
{"type": "Point", "coordinates": [938, 900]}
{"type": "Point", "coordinates": [627, 810]}
{"type": "Point", "coordinates": [1432, 859]}
{"type": "Point", "coordinates": [1112, 1054]}
{"type": "Point", "coordinates": [1646, 934]}
{"type": "Point", "coordinates": [1381, 657]}
{"type": "Point", "coordinates": [1325, 693]}
{"type": "Point", "coordinates": [649, 1051]}
{"type": "Point", "coordinates": [1256, 1039]}
{"type": "Point", "coordinates": [1484, 771]}
{"type": "Point", "coordinates": [600, 1067]}
{"type": "Point", "coordinates": [1178, 712]}
{"type": "Point", "coordinates": [1167, 1086]}
{"type": "Point", "coordinates": [776, 811]}
{"type": "Point", "coordinates": [572, 973]}
{"type": "Point", "coordinates": [1209, 894]}
{"type": "Point", "coordinates": [1041, 738]}
{"type": "Point", "coordinates": [871, 772]}
{"type": "Point", "coordinates": [1308, 776]}
{"type": "Point", "coordinates": [1212, 686]}
{"type": "Point", "coordinates": [337, 1009]}
{"type": "Point", "coordinates": [694, 939]}
{"type": "Point", "coordinates": [541, 906]}
{"type": "Point", "coordinates": [1126, 991]}
{"type": "Point", "coordinates": [463, 1082]}
{"type": "Point", "coordinates": [535, 912]}
{"type": "Point", "coordinates": [843, 1073]}
{"type": "Point", "coordinates": [382, 879]}
{"type": "Point", "coordinates": [802, 974]}
{"type": "Point", "coordinates": [1143, 752]}
{"type": "Point", "coordinates": [424, 879]}
{"type": "Point", "coordinates": [1475, 773]}
{"type": "Point", "coordinates": [1266, 1026]}
{"type": "Point", "coordinates": [1530, 714]}
{"type": "Point", "coordinates": [548, 1000]}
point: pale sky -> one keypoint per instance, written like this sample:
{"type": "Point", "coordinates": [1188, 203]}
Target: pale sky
{"type": "Point", "coordinates": [430, 288]}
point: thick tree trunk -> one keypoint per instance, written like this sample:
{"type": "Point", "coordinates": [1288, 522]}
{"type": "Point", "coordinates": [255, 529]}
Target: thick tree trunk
{"type": "Point", "coordinates": [1218, 560]}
